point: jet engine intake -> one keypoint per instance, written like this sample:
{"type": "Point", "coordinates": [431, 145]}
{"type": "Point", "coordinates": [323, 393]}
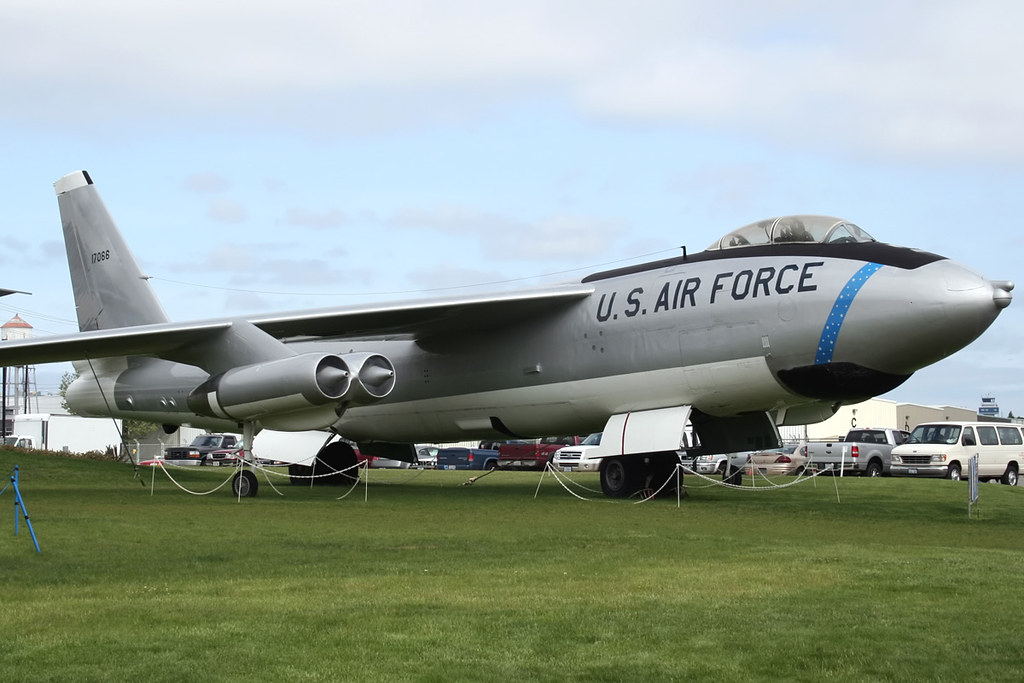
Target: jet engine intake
{"type": "Point", "coordinates": [275, 387]}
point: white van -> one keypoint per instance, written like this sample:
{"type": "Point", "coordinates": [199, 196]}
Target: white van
{"type": "Point", "coordinates": [942, 449]}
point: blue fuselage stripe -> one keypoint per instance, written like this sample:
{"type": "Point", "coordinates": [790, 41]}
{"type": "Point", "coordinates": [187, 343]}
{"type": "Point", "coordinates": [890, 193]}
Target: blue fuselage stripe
{"type": "Point", "coordinates": [830, 333]}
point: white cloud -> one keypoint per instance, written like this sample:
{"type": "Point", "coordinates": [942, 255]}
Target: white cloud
{"type": "Point", "coordinates": [332, 218]}
{"type": "Point", "coordinates": [225, 210]}
{"type": "Point", "coordinates": [566, 238]}
{"type": "Point", "coordinates": [206, 182]}
{"type": "Point", "coordinates": [921, 79]}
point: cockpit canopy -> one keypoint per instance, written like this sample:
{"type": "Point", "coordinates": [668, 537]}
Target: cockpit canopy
{"type": "Point", "coordinates": [789, 229]}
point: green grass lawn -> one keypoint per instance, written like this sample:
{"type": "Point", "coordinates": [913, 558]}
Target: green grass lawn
{"type": "Point", "coordinates": [428, 580]}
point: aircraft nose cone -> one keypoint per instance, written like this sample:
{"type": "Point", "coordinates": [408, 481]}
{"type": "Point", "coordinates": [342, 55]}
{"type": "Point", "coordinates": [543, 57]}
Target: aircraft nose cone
{"type": "Point", "coordinates": [903, 320]}
{"type": "Point", "coordinates": [899, 321]}
{"type": "Point", "coordinates": [940, 320]}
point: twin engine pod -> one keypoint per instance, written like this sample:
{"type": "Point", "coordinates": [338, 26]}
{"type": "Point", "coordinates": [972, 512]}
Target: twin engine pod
{"type": "Point", "coordinates": [294, 384]}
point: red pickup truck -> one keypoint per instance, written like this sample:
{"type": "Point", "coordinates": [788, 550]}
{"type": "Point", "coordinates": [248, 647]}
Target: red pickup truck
{"type": "Point", "coordinates": [530, 455]}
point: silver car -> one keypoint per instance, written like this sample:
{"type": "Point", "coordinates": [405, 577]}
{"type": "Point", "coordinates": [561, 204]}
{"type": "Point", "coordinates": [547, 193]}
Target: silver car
{"type": "Point", "coordinates": [426, 456]}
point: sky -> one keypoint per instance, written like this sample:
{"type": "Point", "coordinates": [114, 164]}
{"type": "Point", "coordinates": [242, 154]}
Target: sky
{"type": "Point", "coordinates": [264, 155]}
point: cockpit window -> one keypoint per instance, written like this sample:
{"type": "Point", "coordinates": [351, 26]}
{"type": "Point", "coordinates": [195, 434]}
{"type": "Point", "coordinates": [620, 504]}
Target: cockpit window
{"type": "Point", "coordinates": [789, 229]}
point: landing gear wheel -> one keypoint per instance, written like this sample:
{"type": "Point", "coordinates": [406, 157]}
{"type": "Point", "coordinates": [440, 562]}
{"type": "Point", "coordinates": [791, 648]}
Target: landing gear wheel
{"type": "Point", "coordinates": [662, 471]}
{"type": "Point", "coordinates": [620, 477]}
{"type": "Point", "coordinates": [735, 476]}
{"type": "Point", "coordinates": [245, 484]}
{"type": "Point", "coordinates": [337, 457]}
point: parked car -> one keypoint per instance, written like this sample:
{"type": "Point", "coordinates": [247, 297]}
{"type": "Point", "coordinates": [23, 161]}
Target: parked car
{"type": "Point", "coordinates": [495, 445]}
{"type": "Point", "coordinates": [533, 456]}
{"type": "Point", "coordinates": [229, 457]}
{"type": "Point", "coordinates": [457, 458]}
{"type": "Point", "coordinates": [944, 449]}
{"type": "Point", "coordinates": [862, 451]}
{"type": "Point", "coordinates": [196, 452]}
{"type": "Point", "coordinates": [426, 456]}
{"type": "Point", "coordinates": [222, 457]}
{"type": "Point", "coordinates": [714, 463]}
{"type": "Point", "coordinates": [729, 465]}
{"type": "Point", "coordinates": [375, 462]}
{"type": "Point", "coordinates": [780, 461]}
{"type": "Point", "coordinates": [574, 458]}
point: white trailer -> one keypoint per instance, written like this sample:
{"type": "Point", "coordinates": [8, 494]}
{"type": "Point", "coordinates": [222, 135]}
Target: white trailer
{"type": "Point", "coordinates": [66, 433]}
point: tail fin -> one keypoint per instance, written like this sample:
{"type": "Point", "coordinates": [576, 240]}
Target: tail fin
{"type": "Point", "coordinates": [110, 290]}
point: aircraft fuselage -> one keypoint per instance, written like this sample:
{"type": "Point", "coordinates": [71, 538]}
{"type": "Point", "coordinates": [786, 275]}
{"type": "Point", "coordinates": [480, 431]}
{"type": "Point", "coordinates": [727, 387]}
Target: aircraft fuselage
{"type": "Point", "coordinates": [793, 328]}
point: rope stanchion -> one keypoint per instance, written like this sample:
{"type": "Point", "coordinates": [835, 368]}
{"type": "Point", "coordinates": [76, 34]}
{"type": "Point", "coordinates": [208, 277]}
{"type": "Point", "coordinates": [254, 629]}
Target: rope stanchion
{"type": "Point", "coordinates": [266, 476]}
{"type": "Point", "coordinates": [543, 473]}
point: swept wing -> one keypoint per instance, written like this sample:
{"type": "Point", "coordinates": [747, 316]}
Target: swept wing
{"type": "Point", "coordinates": [410, 318]}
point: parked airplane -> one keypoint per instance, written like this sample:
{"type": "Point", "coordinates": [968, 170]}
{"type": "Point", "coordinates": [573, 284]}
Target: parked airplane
{"type": "Point", "coordinates": [777, 323]}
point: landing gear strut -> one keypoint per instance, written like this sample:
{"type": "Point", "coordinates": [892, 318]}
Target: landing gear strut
{"type": "Point", "coordinates": [245, 484]}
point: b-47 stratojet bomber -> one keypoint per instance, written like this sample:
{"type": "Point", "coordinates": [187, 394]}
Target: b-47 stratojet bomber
{"type": "Point", "coordinates": [777, 323]}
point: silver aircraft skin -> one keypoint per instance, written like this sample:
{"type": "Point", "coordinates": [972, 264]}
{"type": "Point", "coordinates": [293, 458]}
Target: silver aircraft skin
{"type": "Point", "coordinates": [784, 320]}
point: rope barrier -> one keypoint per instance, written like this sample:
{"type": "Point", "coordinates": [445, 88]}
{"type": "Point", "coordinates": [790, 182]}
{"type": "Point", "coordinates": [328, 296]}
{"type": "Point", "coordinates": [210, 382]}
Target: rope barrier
{"type": "Point", "coordinates": [680, 471]}
{"type": "Point", "coordinates": [653, 493]}
{"type": "Point", "coordinates": [266, 470]}
{"type": "Point", "coordinates": [566, 477]}
{"type": "Point", "coordinates": [355, 482]}
{"type": "Point", "coordinates": [194, 493]}
{"type": "Point", "coordinates": [559, 478]}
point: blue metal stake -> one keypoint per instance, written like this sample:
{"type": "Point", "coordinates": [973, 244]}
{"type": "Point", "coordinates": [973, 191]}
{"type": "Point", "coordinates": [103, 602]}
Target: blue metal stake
{"type": "Point", "coordinates": [19, 502]}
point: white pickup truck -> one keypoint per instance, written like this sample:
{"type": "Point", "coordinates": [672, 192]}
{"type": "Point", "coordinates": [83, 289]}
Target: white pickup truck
{"type": "Point", "coordinates": [862, 451]}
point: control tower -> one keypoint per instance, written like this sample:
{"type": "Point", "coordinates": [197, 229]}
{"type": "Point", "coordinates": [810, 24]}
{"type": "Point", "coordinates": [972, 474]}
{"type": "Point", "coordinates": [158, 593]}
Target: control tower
{"type": "Point", "coordinates": [18, 383]}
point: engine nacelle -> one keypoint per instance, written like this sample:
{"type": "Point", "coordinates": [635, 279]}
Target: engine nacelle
{"type": "Point", "coordinates": [275, 387]}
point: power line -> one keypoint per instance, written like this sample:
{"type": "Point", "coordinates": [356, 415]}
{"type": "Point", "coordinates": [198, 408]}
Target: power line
{"type": "Point", "coordinates": [412, 291]}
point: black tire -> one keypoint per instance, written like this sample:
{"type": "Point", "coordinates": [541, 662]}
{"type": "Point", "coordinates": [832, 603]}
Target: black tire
{"type": "Point", "coordinates": [734, 477]}
{"type": "Point", "coordinates": [245, 484]}
{"type": "Point", "coordinates": [953, 473]}
{"type": "Point", "coordinates": [299, 474]}
{"type": "Point", "coordinates": [620, 477]}
{"type": "Point", "coordinates": [661, 468]}
{"type": "Point", "coordinates": [1009, 476]}
{"type": "Point", "coordinates": [337, 460]}
{"type": "Point", "coordinates": [874, 469]}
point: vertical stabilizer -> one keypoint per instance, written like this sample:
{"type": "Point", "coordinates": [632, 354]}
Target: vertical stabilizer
{"type": "Point", "coordinates": [110, 290]}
